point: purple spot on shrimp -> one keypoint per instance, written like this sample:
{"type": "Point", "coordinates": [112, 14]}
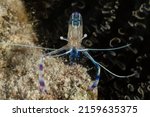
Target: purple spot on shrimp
{"type": "Point", "coordinates": [41, 67]}
{"type": "Point", "coordinates": [91, 87]}
{"type": "Point", "coordinates": [42, 84]}
{"type": "Point", "coordinates": [94, 85]}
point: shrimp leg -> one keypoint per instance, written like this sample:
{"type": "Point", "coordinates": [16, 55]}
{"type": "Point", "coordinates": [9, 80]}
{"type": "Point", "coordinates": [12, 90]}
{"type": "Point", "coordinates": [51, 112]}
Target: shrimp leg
{"type": "Point", "coordinates": [98, 65]}
{"type": "Point", "coordinates": [98, 70]}
{"type": "Point", "coordinates": [41, 66]}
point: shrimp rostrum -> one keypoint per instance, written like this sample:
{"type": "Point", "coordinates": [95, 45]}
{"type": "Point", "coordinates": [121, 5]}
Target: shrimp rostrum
{"type": "Point", "coordinates": [73, 48]}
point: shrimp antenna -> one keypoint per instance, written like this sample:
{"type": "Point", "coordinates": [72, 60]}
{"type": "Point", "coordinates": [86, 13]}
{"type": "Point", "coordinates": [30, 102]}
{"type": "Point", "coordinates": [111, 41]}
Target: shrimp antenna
{"type": "Point", "coordinates": [107, 49]}
{"type": "Point", "coordinates": [26, 46]}
{"type": "Point", "coordinates": [119, 76]}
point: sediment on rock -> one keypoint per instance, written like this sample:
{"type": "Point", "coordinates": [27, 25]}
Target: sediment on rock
{"type": "Point", "coordinates": [19, 65]}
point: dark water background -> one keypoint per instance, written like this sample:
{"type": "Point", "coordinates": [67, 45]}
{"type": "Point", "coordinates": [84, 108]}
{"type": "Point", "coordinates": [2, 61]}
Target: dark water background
{"type": "Point", "coordinates": [52, 21]}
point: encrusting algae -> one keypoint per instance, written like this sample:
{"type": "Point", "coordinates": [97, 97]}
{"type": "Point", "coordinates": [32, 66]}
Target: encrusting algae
{"type": "Point", "coordinates": [19, 65]}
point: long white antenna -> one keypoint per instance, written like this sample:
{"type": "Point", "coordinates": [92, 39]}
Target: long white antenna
{"type": "Point", "coordinates": [27, 46]}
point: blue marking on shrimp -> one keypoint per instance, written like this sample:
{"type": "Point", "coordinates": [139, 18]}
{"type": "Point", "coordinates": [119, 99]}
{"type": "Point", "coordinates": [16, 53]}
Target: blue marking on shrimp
{"type": "Point", "coordinates": [74, 54]}
{"type": "Point", "coordinates": [75, 19]}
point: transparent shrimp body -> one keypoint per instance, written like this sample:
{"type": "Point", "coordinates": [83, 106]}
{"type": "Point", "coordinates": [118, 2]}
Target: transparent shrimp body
{"type": "Point", "coordinates": [75, 35]}
{"type": "Point", "coordinates": [75, 30]}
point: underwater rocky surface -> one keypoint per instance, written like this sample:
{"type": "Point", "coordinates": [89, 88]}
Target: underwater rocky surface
{"type": "Point", "coordinates": [108, 24]}
{"type": "Point", "coordinates": [19, 70]}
